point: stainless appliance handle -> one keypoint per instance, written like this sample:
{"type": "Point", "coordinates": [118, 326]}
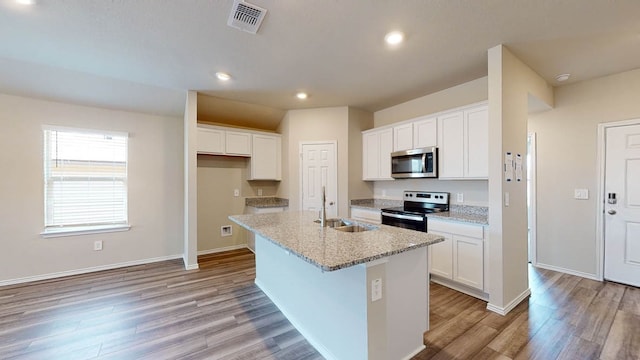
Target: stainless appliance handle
{"type": "Point", "coordinates": [405, 217]}
{"type": "Point", "coordinates": [424, 163]}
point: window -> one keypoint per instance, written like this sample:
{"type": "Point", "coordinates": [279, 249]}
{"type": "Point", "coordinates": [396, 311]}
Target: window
{"type": "Point", "coordinates": [85, 181]}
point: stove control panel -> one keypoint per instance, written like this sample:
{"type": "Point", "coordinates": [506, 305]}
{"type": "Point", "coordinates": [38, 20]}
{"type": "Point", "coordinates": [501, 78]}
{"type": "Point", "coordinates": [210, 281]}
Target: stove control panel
{"type": "Point", "coordinates": [427, 197]}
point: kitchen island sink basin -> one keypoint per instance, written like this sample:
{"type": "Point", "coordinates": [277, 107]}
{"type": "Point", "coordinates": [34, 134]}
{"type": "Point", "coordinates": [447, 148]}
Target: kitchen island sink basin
{"type": "Point", "coordinates": [346, 225]}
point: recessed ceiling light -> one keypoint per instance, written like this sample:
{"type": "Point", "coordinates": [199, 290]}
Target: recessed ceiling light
{"type": "Point", "coordinates": [302, 95]}
{"type": "Point", "coordinates": [223, 76]}
{"type": "Point", "coordinates": [394, 38]}
{"type": "Point", "coordinates": [563, 77]}
{"type": "Point", "coordinates": [26, 2]}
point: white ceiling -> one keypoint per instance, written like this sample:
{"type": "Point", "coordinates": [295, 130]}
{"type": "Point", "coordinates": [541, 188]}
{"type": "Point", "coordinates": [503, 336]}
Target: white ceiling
{"type": "Point", "coordinates": [143, 54]}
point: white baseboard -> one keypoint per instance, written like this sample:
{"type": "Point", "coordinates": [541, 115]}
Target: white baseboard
{"type": "Point", "coordinates": [222, 249]}
{"type": "Point", "coordinates": [567, 271]}
{"type": "Point", "coordinates": [505, 310]}
{"type": "Point", "coordinates": [459, 287]}
{"type": "Point", "coordinates": [414, 353]}
{"type": "Point", "coordinates": [87, 270]}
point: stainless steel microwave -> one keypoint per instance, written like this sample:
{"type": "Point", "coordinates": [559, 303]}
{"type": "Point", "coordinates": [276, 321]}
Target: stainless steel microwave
{"type": "Point", "coordinates": [415, 163]}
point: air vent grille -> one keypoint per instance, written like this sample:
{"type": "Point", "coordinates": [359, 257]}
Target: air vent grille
{"type": "Point", "coordinates": [246, 17]}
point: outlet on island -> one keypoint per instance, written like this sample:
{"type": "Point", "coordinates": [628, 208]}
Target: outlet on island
{"type": "Point", "coordinates": [97, 245]}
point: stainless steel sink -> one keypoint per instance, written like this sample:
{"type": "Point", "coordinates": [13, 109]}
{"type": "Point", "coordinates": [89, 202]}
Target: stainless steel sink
{"type": "Point", "coordinates": [346, 225]}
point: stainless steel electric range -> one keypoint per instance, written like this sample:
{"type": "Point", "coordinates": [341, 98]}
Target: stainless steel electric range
{"type": "Point", "coordinates": [413, 214]}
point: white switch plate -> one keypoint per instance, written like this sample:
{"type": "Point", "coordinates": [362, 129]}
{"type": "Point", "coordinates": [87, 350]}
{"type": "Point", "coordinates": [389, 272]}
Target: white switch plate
{"type": "Point", "coordinates": [376, 289]}
{"type": "Point", "coordinates": [259, 192]}
{"type": "Point", "coordinates": [581, 194]}
{"type": "Point", "coordinates": [236, 192]}
{"type": "Point", "coordinates": [506, 199]}
{"type": "Point", "coordinates": [97, 245]}
{"type": "Point", "coordinates": [460, 197]}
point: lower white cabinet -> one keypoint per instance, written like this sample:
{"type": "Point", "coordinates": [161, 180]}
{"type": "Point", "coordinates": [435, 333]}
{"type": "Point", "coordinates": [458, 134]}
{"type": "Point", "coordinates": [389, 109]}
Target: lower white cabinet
{"type": "Point", "coordinates": [460, 257]}
{"type": "Point", "coordinates": [372, 216]}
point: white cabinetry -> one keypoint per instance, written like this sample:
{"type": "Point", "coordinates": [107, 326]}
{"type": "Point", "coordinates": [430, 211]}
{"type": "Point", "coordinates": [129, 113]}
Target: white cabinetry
{"type": "Point", "coordinates": [237, 143]}
{"type": "Point", "coordinates": [266, 157]}
{"type": "Point", "coordinates": [463, 138]}
{"type": "Point", "coordinates": [425, 133]}
{"type": "Point", "coordinates": [377, 146]}
{"type": "Point", "coordinates": [210, 141]}
{"type": "Point", "coordinates": [372, 216]}
{"type": "Point", "coordinates": [403, 137]}
{"type": "Point", "coordinates": [460, 257]}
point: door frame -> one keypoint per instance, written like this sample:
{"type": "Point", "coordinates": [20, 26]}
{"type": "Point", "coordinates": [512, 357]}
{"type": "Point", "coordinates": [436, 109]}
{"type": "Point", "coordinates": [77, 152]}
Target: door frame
{"type": "Point", "coordinates": [300, 174]}
{"type": "Point", "coordinates": [601, 158]}
{"type": "Point", "coordinates": [533, 211]}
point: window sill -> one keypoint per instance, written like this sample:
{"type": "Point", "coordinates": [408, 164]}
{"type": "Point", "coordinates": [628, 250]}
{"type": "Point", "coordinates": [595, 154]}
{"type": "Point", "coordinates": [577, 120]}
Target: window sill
{"type": "Point", "coordinates": [83, 230]}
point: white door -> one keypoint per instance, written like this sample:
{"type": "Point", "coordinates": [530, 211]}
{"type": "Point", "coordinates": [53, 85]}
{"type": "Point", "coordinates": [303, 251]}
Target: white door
{"type": "Point", "coordinates": [319, 168]}
{"type": "Point", "coordinates": [622, 218]}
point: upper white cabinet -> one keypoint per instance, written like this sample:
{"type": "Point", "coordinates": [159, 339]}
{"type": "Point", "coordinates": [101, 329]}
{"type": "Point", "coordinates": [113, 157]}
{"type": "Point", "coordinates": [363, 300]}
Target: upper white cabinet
{"type": "Point", "coordinates": [266, 158]}
{"type": "Point", "coordinates": [210, 141]}
{"type": "Point", "coordinates": [403, 137]}
{"type": "Point", "coordinates": [377, 146]}
{"type": "Point", "coordinates": [425, 132]}
{"type": "Point", "coordinates": [237, 143]}
{"type": "Point", "coordinates": [218, 141]}
{"type": "Point", "coordinates": [463, 140]}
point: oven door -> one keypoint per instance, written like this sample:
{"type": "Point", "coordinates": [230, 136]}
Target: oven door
{"type": "Point", "coordinates": [406, 221]}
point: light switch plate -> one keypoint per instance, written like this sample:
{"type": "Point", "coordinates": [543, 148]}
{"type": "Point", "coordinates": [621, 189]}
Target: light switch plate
{"type": "Point", "coordinates": [460, 197]}
{"type": "Point", "coordinates": [376, 289]}
{"type": "Point", "coordinates": [581, 194]}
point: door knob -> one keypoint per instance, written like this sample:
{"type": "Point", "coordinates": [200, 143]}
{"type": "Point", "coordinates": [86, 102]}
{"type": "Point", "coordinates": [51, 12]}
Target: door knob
{"type": "Point", "coordinates": [611, 212]}
{"type": "Point", "coordinates": [331, 203]}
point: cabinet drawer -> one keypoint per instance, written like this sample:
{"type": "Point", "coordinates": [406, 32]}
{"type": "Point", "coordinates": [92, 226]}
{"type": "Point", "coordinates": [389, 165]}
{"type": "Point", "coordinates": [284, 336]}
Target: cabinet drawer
{"type": "Point", "coordinates": [473, 231]}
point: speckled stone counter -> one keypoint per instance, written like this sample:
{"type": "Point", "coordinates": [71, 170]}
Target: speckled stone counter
{"type": "Point", "coordinates": [327, 248]}
{"type": "Point", "coordinates": [266, 202]}
{"type": "Point", "coordinates": [375, 204]}
{"type": "Point", "coordinates": [463, 213]}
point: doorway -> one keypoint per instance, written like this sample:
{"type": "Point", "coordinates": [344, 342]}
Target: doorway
{"type": "Point", "coordinates": [318, 168]}
{"type": "Point", "coordinates": [619, 203]}
{"type": "Point", "coordinates": [531, 197]}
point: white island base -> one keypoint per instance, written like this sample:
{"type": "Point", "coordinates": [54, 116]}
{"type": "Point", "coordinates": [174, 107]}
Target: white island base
{"type": "Point", "coordinates": [334, 310]}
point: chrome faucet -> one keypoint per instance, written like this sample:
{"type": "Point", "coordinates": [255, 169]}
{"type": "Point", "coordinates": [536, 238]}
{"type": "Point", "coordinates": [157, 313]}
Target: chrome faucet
{"type": "Point", "coordinates": [323, 210]}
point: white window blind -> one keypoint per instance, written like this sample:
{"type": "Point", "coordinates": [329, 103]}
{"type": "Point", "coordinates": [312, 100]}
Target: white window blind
{"type": "Point", "coordinates": [85, 178]}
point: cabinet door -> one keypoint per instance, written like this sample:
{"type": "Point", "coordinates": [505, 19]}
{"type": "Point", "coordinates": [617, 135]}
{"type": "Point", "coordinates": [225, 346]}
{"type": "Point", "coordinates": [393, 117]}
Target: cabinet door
{"type": "Point", "coordinates": [384, 154]}
{"type": "Point", "coordinates": [451, 145]}
{"type": "Point", "coordinates": [403, 137]}
{"type": "Point", "coordinates": [477, 143]}
{"type": "Point", "coordinates": [370, 155]}
{"type": "Point", "coordinates": [468, 261]}
{"type": "Point", "coordinates": [372, 216]}
{"type": "Point", "coordinates": [266, 157]}
{"type": "Point", "coordinates": [210, 141]}
{"type": "Point", "coordinates": [237, 143]}
{"type": "Point", "coordinates": [425, 133]}
{"type": "Point", "coordinates": [441, 256]}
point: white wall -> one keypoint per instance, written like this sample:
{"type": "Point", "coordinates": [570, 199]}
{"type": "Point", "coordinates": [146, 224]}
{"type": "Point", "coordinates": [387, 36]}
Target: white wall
{"type": "Point", "coordinates": [155, 190]}
{"type": "Point", "coordinates": [567, 149]}
{"type": "Point", "coordinates": [474, 192]}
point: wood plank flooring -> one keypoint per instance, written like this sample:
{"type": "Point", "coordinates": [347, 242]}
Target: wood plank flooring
{"type": "Point", "coordinates": [161, 311]}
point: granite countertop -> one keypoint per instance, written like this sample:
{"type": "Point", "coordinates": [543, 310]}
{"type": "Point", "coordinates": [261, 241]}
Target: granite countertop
{"type": "Point", "coordinates": [327, 248]}
{"type": "Point", "coordinates": [460, 213]}
{"type": "Point", "coordinates": [266, 202]}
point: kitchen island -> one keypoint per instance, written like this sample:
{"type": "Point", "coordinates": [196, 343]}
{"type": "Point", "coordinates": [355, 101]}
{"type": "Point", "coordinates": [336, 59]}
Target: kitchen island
{"type": "Point", "coordinates": [353, 295]}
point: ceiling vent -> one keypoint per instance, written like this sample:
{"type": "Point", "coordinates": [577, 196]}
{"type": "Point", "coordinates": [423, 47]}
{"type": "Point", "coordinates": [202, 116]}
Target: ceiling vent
{"type": "Point", "coordinates": [246, 17]}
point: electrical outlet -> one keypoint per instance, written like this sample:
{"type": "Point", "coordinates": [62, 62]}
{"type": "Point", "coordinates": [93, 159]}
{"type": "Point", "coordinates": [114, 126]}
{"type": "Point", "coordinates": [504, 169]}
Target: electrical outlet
{"type": "Point", "coordinates": [259, 192]}
{"type": "Point", "coordinates": [376, 289]}
{"type": "Point", "coordinates": [97, 245]}
{"type": "Point", "coordinates": [460, 197]}
{"type": "Point", "coordinates": [506, 199]}
{"type": "Point", "coordinates": [236, 192]}
{"type": "Point", "coordinates": [226, 230]}
{"type": "Point", "coordinates": [581, 194]}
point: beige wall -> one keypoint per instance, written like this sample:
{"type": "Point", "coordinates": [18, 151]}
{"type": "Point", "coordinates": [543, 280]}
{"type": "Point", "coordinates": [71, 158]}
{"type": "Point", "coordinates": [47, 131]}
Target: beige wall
{"type": "Point", "coordinates": [218, 177]}
{"type": "Point", "coordinates": [511, 82]}
{"type": "Point", "coordinates": [567, 150]}
{"type": "Point", "coordinates": [330, 124]}
{"type": "Point", "coordinates": [155, 190]}
{"type": "Point", "coordinates": [463, 94]}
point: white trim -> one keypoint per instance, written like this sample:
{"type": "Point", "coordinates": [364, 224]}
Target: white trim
{"type": "Point", "coordinates": [476, 293]}
{"type": "Point", "coordinates": [192, 267]}
{"type": "Point", "coordinates": [414, 353]}
{"type": "Point", "coordinates": [318, 346]}
{"type": "Point", "coordinates": [510, 306]}
{"type": "Point", "coordinates": [533, 217]}
{"type": "Point", "coordinates": [85, 130]}
{"type": "Point", "coordinates": [300, 173]}
{"type": "Point", "coordinates": [601, 162]}
{"type": "Point", "coordinates": [568, 271]}
{"type": "Point", "coordinates": [82, 230]}
{"type": "Point", "coordinates": [222, 249]}
{"type": "Point", "coordinates": [88, 270]}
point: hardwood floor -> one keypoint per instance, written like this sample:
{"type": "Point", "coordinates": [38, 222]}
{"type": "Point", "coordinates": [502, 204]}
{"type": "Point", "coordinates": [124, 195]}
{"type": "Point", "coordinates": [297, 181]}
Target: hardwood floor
{"type": "Point", "coordinates": [161, 311]}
